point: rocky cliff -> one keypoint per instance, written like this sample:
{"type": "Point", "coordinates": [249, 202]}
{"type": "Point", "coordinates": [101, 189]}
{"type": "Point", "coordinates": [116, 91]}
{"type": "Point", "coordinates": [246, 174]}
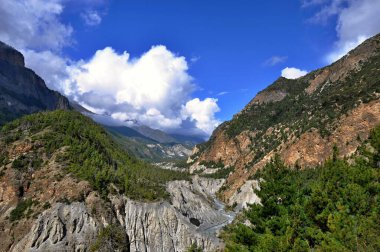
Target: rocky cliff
{"type": "Point", "coordinates": [61, 213]}
{"type": "Point", "coordinates": [21, 90]}
{"type": "Point", "coordinates": [301, 120]}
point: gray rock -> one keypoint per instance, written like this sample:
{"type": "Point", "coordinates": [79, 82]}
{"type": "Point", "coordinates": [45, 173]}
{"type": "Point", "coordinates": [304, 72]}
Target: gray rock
{"type": "Point", "coordinates": [61, 228]}
{"type": "Point", "coordinates": [11, 55]}
{"type": "Point", "coordinates": [191, 216]}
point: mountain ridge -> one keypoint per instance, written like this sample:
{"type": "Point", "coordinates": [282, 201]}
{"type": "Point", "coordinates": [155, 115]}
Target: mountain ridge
{"type": "Point", "coordinates": [300, 119]}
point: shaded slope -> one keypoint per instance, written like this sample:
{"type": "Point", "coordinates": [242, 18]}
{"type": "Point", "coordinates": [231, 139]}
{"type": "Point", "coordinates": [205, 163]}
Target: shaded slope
{"type": "Point", "coordinates": [21, 90]}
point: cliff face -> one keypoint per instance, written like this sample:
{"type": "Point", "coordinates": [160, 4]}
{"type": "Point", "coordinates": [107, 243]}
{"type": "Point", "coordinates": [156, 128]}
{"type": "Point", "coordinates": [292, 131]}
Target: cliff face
{"type": "Point", "coordinates": [21, 90]}
{"type": "Point", "coordinates": [11, 55]}
{"type": "Point", "coordinates": [188, 218]}
{"type": "Point", "coordinates": [302, 119]}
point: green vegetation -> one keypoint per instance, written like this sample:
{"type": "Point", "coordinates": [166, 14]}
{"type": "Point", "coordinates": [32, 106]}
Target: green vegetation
{"type": "Point", "coordinates": [194, 248]}
{"type": "Point", "coordinates": [111, 238]}
{"type": "Point", "coordinates": [335, 207]}
{"type": "Point", "coordinates": [212, 164]}
{"type": "Point", "coordinates": [181, 163]}
{"type": "Point", "coordinates": [46, 205]}
{"type": "Point", "coordinates": [23, 162]}
{"type": "Point", "coordinates": [23, 209]}
{"type": "Point", "coordinates": [89, 154]}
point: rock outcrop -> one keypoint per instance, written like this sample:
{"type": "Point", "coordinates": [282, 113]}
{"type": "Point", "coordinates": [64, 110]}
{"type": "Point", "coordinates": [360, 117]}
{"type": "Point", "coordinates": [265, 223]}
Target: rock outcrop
{"type": "Point", "coordinates": [11, 55]}
{"type": "Point", "coordinates": [21, 90]}
{"type": "Point", "coordinates": [190, 217]}
{"type": "Point", "coordinates": [61, 228]}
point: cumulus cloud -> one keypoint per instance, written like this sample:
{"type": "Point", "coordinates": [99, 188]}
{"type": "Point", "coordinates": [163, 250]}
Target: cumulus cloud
{"type": "Point", "coordinates": [52, 67]}
{"type": "Point", "coordinates": [154, 89]}
{"type": "Point", "coordinates": [202, 113]}
{"type": "Point", "coordinates": [91, 17]}
{"type": "Point", "coordinates": [35, 28]}
{"type": "Point", "coordinates": [292, 73]}
{"type": "Point", "coordinates": [33, 24]}
{"type": "Point", "coordinates": [274, 60]}
{"type": "Point", "coordinates": [357, 20]}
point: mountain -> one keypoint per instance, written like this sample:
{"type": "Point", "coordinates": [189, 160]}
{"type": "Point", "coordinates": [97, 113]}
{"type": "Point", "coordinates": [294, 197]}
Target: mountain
{"type": "Point", "coordinates": [301, 120]}
{"type": "Point", "coordinates": [188, 139]}
{"type": "Point", "coordinates": [65, 185]}
{"type": "Point", "coordinates": [163, 137]}
{"type": "Point", "coordinates": [155, 134]}
{"type": "Point", "coordinates": [152, 144]}
{"type": "Point", "coordinates": [21, 90]}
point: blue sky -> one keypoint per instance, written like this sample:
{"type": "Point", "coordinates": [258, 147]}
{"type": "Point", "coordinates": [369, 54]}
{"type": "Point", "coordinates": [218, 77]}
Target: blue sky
{"type": "Point", "coordinates": [232, 40]}
{"type": "Point", "coordinates": [231, 50]}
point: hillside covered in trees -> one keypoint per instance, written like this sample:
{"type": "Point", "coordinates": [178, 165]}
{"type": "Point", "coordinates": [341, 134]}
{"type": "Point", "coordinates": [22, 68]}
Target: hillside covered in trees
{"type": "Point", "coordinates": [86, 151]}
{"type": "Point", "coordinates": [335, 207]}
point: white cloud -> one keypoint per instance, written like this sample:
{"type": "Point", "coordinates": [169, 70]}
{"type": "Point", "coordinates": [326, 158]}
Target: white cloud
{"type": "Point", "coordinates": [52, 67]}
{"type": "Point", "coordinates": [33, 24]}
{"type": "Point", "coordinates": [357, 20]}
{"type": "Point", "coordinates": [91, 17]}
{"type": "Point", "coordinates": [343, 47]}
{"type": "Point", "coordinates": [35, 29]}
{"type": "Point", "coordinates": [195, 59]}
{"type": "Point", "coordinates": [153, 89]}
{"type": "Point", "coordinates": [274, 60]}
{"type": "Point", "coordinates": [203, 113]}
{"type": "Point", "coordinates": [292, 73]}
{"type": "Point", "coordinates": [222, 93]}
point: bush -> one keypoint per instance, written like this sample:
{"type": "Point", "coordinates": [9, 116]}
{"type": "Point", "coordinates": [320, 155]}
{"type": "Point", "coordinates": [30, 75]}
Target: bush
{"type": "Point", "coordinates": [21, 210]}
{"type": "Point", "coordinates": [111, 238]}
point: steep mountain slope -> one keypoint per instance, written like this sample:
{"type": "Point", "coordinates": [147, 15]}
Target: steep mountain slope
{"type": "Point", "coordinates": [21, 90]}
{"type": "Point", "coordinates": [155, 134]}
{"type": "Point", "coordinates": [300, 119]}
{"type": "Point", "coordinates": [65, 185]}
{"type": "Point", "coordinates": [334, 207]}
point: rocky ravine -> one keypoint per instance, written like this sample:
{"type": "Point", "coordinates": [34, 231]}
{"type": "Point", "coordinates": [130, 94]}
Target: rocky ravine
{"type": "Point", "coordinates": [78, 215]}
